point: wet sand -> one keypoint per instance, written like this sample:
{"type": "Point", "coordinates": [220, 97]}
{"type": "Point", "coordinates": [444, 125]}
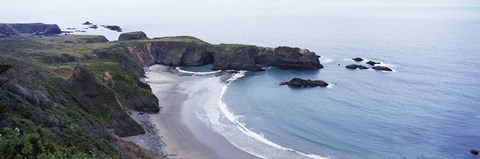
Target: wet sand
{"type": "Point", "coordinates": [182, 134]}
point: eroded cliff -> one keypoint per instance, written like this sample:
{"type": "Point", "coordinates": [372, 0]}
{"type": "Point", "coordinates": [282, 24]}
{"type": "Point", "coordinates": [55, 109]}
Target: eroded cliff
{"type": "Point", "coordinates": [190, 51]}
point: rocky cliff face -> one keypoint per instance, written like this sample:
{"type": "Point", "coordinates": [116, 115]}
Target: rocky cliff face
{"type": "Point", "coordinates": [183, 52]}
{"type": "Point", "coordinates": [29, 29]}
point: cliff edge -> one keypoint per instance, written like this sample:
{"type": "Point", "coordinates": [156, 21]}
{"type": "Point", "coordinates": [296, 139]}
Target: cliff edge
{"type": "Point", "coordinates": [190, 51]}
{"type": "Point", "coordinates": [29, 29]}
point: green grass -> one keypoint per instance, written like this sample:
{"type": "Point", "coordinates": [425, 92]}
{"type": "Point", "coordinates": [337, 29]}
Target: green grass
{"type": "Point", "coordinates": [186, 39]}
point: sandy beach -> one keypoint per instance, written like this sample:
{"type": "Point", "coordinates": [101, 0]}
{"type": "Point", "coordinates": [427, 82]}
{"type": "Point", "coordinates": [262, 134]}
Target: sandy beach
{"type": "Point", "coordinates": [182, 134]}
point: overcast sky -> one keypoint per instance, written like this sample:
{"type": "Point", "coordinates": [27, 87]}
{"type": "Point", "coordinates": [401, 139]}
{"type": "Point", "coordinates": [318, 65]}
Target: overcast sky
{"type": "Point", "coordinates": [26, 10]}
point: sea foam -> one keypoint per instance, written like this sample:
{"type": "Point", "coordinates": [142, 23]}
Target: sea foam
{"type": "Point", "coordinates": [241, 126]}
{"type": "Point", "coordinates": [179, 69]}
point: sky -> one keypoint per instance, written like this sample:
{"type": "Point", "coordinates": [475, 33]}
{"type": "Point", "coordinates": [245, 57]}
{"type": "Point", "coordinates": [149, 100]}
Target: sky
{"type": "Point", "coordinates": [50, 10]}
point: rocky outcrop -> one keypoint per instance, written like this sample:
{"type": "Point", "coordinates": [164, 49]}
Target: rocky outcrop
{"type": "Point", "coordinates": [189, 51]}
{"type": "Point", "coordinates": [372, 63]}
{"type": "Point", "coordinates": [29, 29]}
{"type": "Point", "coordinates": [381, 68]}
{"type": "Point", "coordinates": [113, 27]}
{"type": "Point", "coordinates": [474, 152]}
{"type": "Point", "coordinates": [298, 82]}
{"type": "Point", "coordinates": [357, 59]}
{"type": "Point", "coordinates": [132, 36]}
{"type": "Point", "coordinates": [87, 23]}
{"type": "Point", "coordinates": [355, 66]}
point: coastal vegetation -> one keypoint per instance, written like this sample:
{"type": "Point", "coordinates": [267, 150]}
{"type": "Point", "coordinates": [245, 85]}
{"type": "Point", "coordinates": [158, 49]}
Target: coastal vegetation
{"type": "Point", "coordinates": [69, 97]}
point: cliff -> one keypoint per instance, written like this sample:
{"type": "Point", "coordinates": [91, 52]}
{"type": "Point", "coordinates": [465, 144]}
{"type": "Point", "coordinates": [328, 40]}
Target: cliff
{"type": "Point", "coordinates": [29, 29]}
{"type": "Point", "coordinates": [190, 51]}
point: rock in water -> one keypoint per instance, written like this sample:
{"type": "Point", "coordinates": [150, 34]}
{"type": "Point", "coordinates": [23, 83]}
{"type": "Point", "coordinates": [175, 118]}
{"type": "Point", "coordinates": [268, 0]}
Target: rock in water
{"type": "Point", "coordinates": [355, 66]}
{"type": "Point", "coordinates": [87, 23]}
{"type": "Point", "coordinates": [93, 27]}
{"type": "Point", "coordinates": [113, 27]}
{"type": "Point", "coordinates": [372, 63]}
{"type": "Point", "coordinates": [357, 59]}
{"type": "Point", "coordinates": [29, 29]}
{"type": "Point", "coordinates": [382, 68]}
{"type": "Point", "coordinates": [132, 36]}
{"type": "Point", "coordinates": [298, 82]}
{"type": "Point", "coordinates": [474, 152]}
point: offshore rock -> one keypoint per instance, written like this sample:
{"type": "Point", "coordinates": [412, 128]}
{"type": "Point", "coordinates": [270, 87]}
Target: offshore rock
{"type": "Point", "coordinates": [355, 66]}
{"type": "Point", "coordinates": [372, 63]}
{"type": "Point", "coordinates": [298, 83]}
{"type": "Point", "coordinates": [382, 68]}
{"type": "Point", "coordinates": [113, 27]}
{"type": "Point", "coordinates": [357, 59]}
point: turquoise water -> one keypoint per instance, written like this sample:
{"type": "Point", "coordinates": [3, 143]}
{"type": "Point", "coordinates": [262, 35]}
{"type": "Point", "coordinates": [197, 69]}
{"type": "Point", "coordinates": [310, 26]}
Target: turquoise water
{"type": "Point", "coordinates": [204, 68]}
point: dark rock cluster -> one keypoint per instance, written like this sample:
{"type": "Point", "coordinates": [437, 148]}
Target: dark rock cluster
{"type": "Point", "coordinates": [298, 83]}
{"type": "Point", "coordinates": [355, 66]}
{"type": "Point", "coordinates": [370, 62]}
{"type": "Point", "coordinates": [113, 27]}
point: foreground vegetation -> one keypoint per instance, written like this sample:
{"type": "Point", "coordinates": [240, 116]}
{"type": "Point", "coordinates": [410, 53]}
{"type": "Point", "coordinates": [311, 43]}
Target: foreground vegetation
{"type": "Point", "coordinates": [69, 97]}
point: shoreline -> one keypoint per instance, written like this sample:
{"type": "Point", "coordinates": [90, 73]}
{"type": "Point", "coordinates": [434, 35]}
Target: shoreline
{"type": "Point", "coordinates": [176, 131]}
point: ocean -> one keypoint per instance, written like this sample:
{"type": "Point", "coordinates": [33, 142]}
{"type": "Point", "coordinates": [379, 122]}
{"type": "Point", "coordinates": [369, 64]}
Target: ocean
{"type": "Point", "coordinates": [427, 108]}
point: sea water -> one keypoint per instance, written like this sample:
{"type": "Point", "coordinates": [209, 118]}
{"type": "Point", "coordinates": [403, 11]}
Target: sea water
{"type": "Point", "coordinates": [427, 108]}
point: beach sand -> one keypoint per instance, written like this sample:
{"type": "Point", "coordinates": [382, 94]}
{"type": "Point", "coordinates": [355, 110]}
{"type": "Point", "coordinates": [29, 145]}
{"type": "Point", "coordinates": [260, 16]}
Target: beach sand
{"type": "Point", "coordinates": [183, 135]}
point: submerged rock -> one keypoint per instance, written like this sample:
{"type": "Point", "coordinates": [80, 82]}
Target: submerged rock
{"type": "Point", "coordinates": [355, 66]}
{"type": "Point", "coordinates": [298, 82]}
{"type": "Point", "coordinates": [474, 152]}
{"type": "Point", "coordinates": [372, 63]}
{"type": "Point", "coordinates": [357, 59]}
{"type": "Point", "coordinates": [382, 68]}
{"type": "Point", "coordinates": [132, 36]}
